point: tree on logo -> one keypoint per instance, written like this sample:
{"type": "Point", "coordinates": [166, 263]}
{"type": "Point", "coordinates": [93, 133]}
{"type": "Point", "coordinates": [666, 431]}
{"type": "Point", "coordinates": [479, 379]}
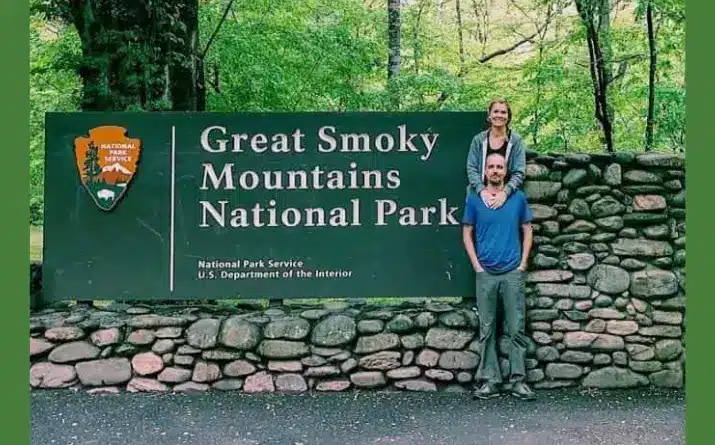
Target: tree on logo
{"type": "Point", "coordinates": [91, 163]}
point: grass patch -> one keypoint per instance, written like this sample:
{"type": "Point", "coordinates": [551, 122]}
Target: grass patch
{"type": "Point", "coordinates": [35, 243]}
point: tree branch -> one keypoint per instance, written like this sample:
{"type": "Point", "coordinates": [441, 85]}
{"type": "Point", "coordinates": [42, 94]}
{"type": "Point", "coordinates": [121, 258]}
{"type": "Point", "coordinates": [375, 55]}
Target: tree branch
{"type": "Point", "coordinates": [503, 51]}
{"type": "Point", "coordinates": [218, 27]}
{"type": "Point", "coordinates": [527, 39]}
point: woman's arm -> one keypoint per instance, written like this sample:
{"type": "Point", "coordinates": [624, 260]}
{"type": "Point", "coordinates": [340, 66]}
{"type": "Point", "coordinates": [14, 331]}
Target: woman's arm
{"type": "Point", "coordinates": [517, 168]}
{"type": "Point", "coordinates": [474, 166]}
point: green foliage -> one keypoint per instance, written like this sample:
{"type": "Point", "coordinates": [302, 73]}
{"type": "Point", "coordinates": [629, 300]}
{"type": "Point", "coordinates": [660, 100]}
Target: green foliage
{"type": "Point", "coordinates": [279, 55]}
{"type": "Point", "coordinates": [331, 55]}
{"type": "Point", "coordinates": [54, 86]}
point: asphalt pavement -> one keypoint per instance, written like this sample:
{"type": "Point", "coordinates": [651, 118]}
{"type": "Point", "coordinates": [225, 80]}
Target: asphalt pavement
{"type": "Point", "coordinates": [557, 417]}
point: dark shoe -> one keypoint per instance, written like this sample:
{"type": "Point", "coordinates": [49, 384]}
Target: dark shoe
{"type": "Point", "coordinates": [486, 391]}
{"type": "Point", "coordinates": [522, 391]}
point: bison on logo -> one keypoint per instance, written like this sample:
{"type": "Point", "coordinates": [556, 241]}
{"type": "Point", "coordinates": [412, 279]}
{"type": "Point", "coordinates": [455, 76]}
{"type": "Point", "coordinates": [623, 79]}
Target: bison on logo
{"type": "Point", "coordinates": [107, 161]}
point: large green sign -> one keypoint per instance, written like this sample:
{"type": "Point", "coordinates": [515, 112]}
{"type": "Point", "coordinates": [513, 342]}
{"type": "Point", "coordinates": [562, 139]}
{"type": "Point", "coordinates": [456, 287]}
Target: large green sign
{"type": "Point", "coordinates": [207, 205]}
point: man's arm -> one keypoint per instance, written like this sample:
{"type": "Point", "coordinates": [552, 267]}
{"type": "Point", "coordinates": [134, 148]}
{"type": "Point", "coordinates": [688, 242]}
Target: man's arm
{"type": "Point", "coordinates": [526, 245]}
{"type": "Point", "coordinates": [468, 240]}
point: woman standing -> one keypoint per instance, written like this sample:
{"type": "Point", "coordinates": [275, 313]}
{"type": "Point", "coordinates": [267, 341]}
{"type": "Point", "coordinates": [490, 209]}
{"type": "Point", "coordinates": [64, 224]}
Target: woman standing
{"type": "Point", "coordinates": [497, 138]}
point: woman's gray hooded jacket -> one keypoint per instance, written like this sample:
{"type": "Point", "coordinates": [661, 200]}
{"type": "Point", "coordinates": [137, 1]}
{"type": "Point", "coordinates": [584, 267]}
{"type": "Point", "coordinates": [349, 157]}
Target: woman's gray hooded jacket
{"type": "Point", "coordinates": [515, 162]}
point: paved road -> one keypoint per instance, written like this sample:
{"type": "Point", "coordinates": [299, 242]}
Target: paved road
{"type": "Point", "coordinates": [642, 417]}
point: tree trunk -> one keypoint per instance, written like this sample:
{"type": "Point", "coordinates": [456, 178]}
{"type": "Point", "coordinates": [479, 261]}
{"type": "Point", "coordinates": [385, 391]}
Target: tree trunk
{"type": "Point", "coordinates": [188, 86]}
{"type": "Point", "coordinates": [651, 78]}
{"type": "Point", "coordinates": [393, 36]}
{"type": "Point", "coordinates": [461, 38]}
{"type": "Point", "coordinates": [416, 49]}
{"type": "Point", "coordinates": [393, 60]}
{"type": "Point", "coordinates": [604, 37]}
{"type": "Point", "coordinates": [589, 11]}
{"type": "Point", "coordinates": [130, 58]}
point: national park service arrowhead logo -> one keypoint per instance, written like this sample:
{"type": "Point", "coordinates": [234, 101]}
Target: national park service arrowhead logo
{"type": "Point", "coordinates": [107, 161]}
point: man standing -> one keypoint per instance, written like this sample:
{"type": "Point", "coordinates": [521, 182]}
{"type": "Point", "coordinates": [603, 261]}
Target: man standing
{"type": "Point", "coordinates": [499, 255]}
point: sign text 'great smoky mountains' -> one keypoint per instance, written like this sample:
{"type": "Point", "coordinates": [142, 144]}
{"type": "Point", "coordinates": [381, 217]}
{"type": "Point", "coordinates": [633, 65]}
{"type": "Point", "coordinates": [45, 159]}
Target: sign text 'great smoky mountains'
{"type": "Point", "coordinates": [231, 177]}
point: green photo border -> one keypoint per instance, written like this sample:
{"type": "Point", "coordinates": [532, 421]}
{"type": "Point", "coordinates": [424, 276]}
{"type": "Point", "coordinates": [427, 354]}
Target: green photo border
{"type": "Point", "coordinates": [701, 303]}
{"type": "Point", "coordinates": [700, 246]}
{"type": "Point", "coordinates": [15, 235]}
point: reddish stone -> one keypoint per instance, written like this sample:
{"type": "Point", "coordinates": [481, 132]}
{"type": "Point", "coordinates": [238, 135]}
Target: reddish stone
{"type": "Point", "coordinates": [285, 366]}
{"type": "Point", "coordinates": [174, 375]}
{"type": "Point", "coordinates": [206, 372]}
{"type": "Point", "coordinates": [147, 363]}
{"type": "Point", "coordinates": [67, 333]}
{"type": "Point", "coordinates": [105, 337]}
{"type": "Point", "coordinates": [141, 337]}
{"type": "Point", "coordinates": [39, 346]}
{"type": "Point", "coordinates": [428, 358]}
{"type": "Point", "coordinates": [139, 384]}
{"type": "Point", "coordinates": [648, 202]}
{"type": "Point", "coordinates": [404, 373]}
{"type": "Point", "coordinates": [259, 383]}
{"type": "Point", "coordinates": [239, 368]}
{"type": "Point", "coordinates": [368, 379]}
{"type": "Point", "coordinates": [49, 375]}
{"type": "Point", "coordinates": [333, 385]}
{"type": "Point", "coordinates": [191, 386]}
{"type": "Point", "coordinates": [439, 374]}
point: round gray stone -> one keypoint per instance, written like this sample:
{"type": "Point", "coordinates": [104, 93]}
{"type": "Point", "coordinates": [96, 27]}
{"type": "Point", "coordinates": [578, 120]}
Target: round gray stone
{"type": "Point", "coordinates": [614, 377]}
{"type": "Point", "coordinates": [73, 352]}
{"type": "Point", "coordinates": [653, 283]}
{"type": "Point", "coordinates": [632, 264]}
{"type": "Point", "coordinates": [203, 334]}
{"type": "Point", "coordinates": [541, 212]}
{"type": "Point", "coordinates": [608, 279]}
{"type": "Point", "coordinates": [579, 208]}
{"type": "Point", "coordinates": [575, 178]}
{"type": "Point", "coordinates": [566, 371]}
{"type": "Point", "coordinates": [581, 261]}
{"type": "Point", "coordinates": [370, 326]}
{"type": "Point", "coordinates": [287, 328]}
{"type": "Point", "coordinates": [282, 349]}
{"type": "Point", "coordinates": [612, 175]}
{"type": "Point", "coordinates": [425, 320]}
{"type": "Point", "coordinates": [400, 324]}
{"type": "Point", "coordinates": [334, 330]}
{"type": "Point", "coordinates": [606, 206]}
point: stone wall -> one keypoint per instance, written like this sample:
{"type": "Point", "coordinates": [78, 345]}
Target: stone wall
{"type": "Point", "coordinates": [605, 309]}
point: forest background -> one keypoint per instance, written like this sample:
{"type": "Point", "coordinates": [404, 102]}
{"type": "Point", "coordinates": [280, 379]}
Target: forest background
{"type": "Point", "coordinates": [581, 75]}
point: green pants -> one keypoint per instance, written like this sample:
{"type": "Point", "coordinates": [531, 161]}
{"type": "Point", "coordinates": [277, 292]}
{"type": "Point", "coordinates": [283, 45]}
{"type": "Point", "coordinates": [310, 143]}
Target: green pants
{"type": "Point", "coordinates": [508, 289]}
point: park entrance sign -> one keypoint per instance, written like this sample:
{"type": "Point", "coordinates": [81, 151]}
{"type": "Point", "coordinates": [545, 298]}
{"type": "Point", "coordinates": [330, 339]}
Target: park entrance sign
{"type": "Point", "coordinates": [152, 206]}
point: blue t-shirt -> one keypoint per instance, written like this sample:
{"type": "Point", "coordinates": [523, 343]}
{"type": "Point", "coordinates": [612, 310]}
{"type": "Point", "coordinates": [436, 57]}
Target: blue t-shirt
{"type": "Point", "coordinates": [498, 231]}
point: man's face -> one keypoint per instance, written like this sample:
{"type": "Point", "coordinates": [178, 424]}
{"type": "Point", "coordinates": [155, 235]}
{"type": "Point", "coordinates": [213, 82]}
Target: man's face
{"type": "Point", "coordinates": [496, 169]}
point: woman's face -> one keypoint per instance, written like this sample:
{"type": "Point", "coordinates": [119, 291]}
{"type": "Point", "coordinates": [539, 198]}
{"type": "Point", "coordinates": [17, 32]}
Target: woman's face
{"type": "Point", "coordinates": [498, 115]}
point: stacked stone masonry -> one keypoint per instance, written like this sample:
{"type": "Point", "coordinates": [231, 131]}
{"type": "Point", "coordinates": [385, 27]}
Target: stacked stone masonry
{"type": "Point", "coordinates": [605, 309]}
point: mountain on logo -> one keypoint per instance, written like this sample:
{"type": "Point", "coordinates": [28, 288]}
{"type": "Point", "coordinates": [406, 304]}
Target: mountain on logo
{"type": "Point", "coordinates": [115, 174]}
{"type": "Point", "coordinates": [116, 167]}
